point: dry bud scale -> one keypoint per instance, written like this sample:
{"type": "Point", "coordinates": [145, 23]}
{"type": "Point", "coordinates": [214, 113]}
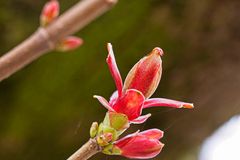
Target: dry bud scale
{"type": "Point", "coordinates": [125, 107]}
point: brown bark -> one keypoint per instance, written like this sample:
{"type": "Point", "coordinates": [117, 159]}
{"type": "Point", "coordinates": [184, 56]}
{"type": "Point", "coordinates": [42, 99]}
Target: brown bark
{"type": "Point", "coordinates": [86, 151]}
{"type": "Point", "coordinates": [45, 39]}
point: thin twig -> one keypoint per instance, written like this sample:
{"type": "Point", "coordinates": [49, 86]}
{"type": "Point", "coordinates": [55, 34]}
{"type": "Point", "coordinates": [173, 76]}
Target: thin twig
{"type": "Point", "coordinates": [86, 151]}
{"type": "Point", "coordinates": [45, 39]}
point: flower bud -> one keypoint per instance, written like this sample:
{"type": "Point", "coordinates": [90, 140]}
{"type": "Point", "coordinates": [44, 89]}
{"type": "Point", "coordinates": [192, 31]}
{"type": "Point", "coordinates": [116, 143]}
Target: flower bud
{"type": "Point", "coordinates": [69, 43]}
{"type": "Point", "coordinates": [143, 145]}
{"type": "Point", "coordinates": [103, 129]}
{"type": "Point", "coordinates": [146, 74]}
{"type": "Point", "coordinates": [50, 12]}
{"type": "Point", "coordinates": [94, 129]}
{"type": "Point", "coordinates": [104, 139]}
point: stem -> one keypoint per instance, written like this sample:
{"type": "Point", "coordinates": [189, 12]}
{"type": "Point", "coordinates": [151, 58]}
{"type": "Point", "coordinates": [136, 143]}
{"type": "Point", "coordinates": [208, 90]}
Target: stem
{"type": "Point", "coordinates": [86, 151]}
{"type": "Point", "coordinates": [45, 39]}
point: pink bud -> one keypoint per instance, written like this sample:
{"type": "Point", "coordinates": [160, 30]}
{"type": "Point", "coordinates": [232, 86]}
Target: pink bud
{"type": "Point", "coordinates": [146, 74]}
{"type": "Point", "coordinates": [70, 43]}
{"type": "Point", "coordinates": [143, 145]}
{"type": "Point", "coordinates": [50, 12]}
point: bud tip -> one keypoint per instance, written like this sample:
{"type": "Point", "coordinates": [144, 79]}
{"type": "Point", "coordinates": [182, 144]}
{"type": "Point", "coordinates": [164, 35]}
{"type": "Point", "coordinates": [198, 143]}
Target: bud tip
{"type": "Point", "coordinates": [158, 50]}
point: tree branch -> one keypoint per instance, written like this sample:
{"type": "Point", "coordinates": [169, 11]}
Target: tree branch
{"type": "Point", "coordinates": [45, 39]}
{"type": "Point", "coordinates": [86, 151]}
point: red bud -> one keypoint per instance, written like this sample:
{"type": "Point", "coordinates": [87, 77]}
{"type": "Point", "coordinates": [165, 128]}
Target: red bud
{"type": "Point", "coordinates": [143, 145]}
{"type": "Point", "coordinates": [50, 12]}
{"type": "Point", "coordinates": [70, 43]}
{"type": "Point", "coordinates": [146, 74]}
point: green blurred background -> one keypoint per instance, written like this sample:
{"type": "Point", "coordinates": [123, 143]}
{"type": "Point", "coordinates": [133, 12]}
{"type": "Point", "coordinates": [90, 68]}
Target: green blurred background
{"type": "Point", "coordinates": [46, 109]}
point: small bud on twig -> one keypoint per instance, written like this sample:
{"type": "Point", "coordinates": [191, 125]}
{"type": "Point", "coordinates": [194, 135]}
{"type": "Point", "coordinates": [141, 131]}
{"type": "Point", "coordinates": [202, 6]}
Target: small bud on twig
{"type": "Point", "coordinates": [49, 13]}
{"type": "Point", "coordinates": [69, 43]}
{"type": "Point", "coordinates": [94, 129]}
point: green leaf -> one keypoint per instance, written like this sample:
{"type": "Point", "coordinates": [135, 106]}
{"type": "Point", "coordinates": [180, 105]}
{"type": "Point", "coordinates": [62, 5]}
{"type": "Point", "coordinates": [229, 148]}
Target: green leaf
{"type": "Point", "coordinates": [118, 121]}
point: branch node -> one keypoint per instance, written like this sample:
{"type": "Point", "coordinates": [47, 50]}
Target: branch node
{"type": "Point", "coordinates": [44, 34]}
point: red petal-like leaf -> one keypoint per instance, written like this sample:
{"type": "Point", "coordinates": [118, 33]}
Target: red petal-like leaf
{"type": "Point", "coordinates": [125, 140]}
{"type": "Point", "coordinates": [157, 102]}
{"type": "Point", "coordinates": [113, 98]}
{"type": "Point", "coordinates": [130, 104]}
{"type": "Point", "coordinates": [104, 102]}
{"type": "Point", "coordinates": [141, 119]}
{"type": "Point", "coordinates": [153, 133]}
{"type": "Point", "coordinates": [114, 69]}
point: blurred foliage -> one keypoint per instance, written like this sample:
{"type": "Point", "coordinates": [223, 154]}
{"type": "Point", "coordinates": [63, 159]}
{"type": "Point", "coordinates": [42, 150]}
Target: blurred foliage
{"type": "Point", "coordinates": [46, 109]}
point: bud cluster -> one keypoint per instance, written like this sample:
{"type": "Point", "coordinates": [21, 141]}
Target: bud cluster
{"type": "Point", "coordinates": [125, 107]}
{"type": "Point", "coordinates": [110, 129]}
{"type": "Point", "coordinates": [126, 104]}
